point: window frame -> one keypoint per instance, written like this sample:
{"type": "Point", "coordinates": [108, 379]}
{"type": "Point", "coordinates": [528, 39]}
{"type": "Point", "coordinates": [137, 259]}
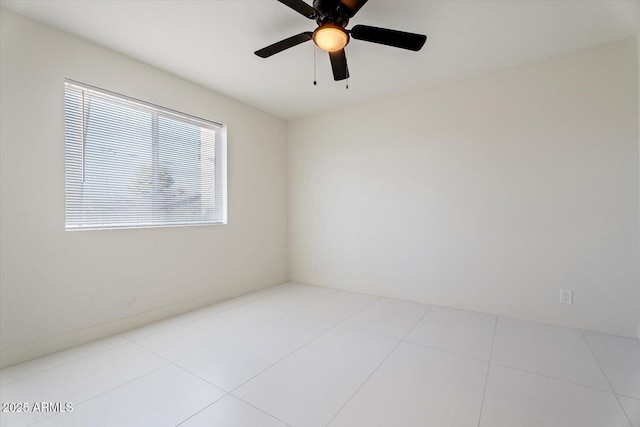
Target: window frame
{"type": "Point", "coordinates": [157, 111]}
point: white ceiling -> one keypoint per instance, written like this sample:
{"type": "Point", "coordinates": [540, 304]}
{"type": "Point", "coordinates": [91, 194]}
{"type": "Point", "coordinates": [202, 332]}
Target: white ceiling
{"type": "Point", "coordinates": [212, 42]}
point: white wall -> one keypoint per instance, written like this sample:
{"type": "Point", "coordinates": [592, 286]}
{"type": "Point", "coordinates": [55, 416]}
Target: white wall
{"type": "Point", "coordinates": [61, 288]}
{"type": "Point", "coordinates": [489, 194]}
{"type": "Point", "coordinates": [638, 65]}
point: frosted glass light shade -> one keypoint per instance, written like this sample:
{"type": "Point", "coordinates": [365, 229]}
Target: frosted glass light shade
{"type": "Point", "coordinates": [330, 38]}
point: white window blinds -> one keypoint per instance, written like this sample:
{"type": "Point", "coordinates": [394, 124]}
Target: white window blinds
{"type": "Point", "coordinates": [134, 164]}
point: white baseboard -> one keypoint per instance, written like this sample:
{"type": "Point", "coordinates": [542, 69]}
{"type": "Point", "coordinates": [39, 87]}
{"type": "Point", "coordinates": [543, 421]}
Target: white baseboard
{"type": "Point", "coordinates": [15, 355]}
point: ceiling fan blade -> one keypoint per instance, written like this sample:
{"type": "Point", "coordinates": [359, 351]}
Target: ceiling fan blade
{"type": "Point", "coordinates": [266, 52]}
{"type": "Point", "coordinates": [301, 7]}
{"type": "Point", "coordinates": [339, 65]}
{"type": "Point", "coordinates": [410, 41]}
{"type": "Point", "coordinates": [353, 6]}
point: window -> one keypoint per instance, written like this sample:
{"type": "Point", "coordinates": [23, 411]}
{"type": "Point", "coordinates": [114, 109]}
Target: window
{"type": "Point", "coordinates": [133, 164]}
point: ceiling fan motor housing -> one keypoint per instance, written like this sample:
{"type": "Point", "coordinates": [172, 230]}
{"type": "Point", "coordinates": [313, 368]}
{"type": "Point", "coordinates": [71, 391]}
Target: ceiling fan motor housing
{"type": "Point", "coordinates": [331, 12]}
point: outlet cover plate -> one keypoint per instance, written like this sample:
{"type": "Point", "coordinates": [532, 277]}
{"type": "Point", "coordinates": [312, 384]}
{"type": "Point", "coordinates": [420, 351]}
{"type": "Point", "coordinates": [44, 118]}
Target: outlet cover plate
{"type": "Point", "coordinates": [566, 296]}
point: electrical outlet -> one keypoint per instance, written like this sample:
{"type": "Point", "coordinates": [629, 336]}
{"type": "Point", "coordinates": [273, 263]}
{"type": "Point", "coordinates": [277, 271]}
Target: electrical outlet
{"type": "Point", "coordinates": [566, 296]}
{"type": "Point", "coordinates": [314, 266]}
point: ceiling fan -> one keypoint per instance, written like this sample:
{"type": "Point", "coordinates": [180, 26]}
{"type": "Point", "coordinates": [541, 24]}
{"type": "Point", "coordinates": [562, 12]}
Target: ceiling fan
{"type": "Point", "coordinates": [332, 16]}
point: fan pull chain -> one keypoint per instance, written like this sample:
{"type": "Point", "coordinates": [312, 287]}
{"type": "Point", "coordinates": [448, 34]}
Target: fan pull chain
{"type": "Point", "coordinates": [347, 80]}
{"type": "Point", "coordinates": [315, 82]}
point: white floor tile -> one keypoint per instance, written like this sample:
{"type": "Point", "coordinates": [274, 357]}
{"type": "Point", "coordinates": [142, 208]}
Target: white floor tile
{"type": "Point", "coordinates": [517, 398]}
{"type": "Point", "coordinates": [620, 360]}
{"type": "Point", "coordinates": [180, 319]}
{"type": "Point", "coordinates": [459, 331]}
{"type": "Point", "coordinates": [554, 351]}
{"type": "Point", "coordinates": [418, 386]}
{"type": "Point", "coordinates": [334, 307]}
{"type": "Point", "coordinates": [78, 381]}
{"type": "Point", "coordinates": [632, 408]}
{"type": "Point", "coordinates": [279, 351]}
{"type": "Point", "coordinates": [288, 297]}
{"type": "Point", "coordinates": [232, 412]}
{"type": "Point", "coordinates": [235, 359]}
{"type": "Point", "coordinates": [184, 340]}
{"type": "Point", "coordinates": [162, 398]}
{"type": "Point", "coordinates": [310, 386]}
{"type": "Point", "coordinates": [41, 364]}
{"type": "Point", "coordinates": [389, 317]}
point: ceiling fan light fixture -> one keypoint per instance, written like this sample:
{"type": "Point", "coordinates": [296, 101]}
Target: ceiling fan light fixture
{"type": "Point", "coordinates": [332, 16]}
{"type": "Point", "coordinates": [330, 38]}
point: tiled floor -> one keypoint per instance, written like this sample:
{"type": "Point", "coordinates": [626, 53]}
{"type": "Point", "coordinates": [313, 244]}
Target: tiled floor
{"type": "Point", "coordinates": [302, 355]}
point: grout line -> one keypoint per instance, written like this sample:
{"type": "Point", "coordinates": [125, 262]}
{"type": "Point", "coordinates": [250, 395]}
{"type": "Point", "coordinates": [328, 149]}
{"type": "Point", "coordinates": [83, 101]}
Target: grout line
{"type": "Point", "coordinates": [256, 305]}
{"type": "Point", "coordinates": [293, 310]}
{"type": "Point", "coordinates": [404, 337]}
{"type": "Point", "coordinates": [419, 320]}
{"type": "Point", "coordinates": [76, 405]}
{"type": "Point", "coordinates": [204, 316]}
{"type": "Point", "coordinates": [370, 332]}
{"type": "Point", "coordinates": [65, 362]}
{"type": "Point", "coordinates": [139, 377]}
{"type": "Point", "coordinates": [552, 378]}
{"type": "Point", "coordinates": [274, 363]}
{"type": "Point", "coordinates": [379, 365]}
{"type": "Point", "coordinates": [375, 299]}
{"type": "Point", "coordinates": [242, 330]}
{"type": "Point", "coordinates": [446, 351]}
{"type": "Point", "coordinates": [200, 378]}
{"type": "Point", "coordinates": [605, 377]}
{"type": "Point", "coordinates": [197, 412]}
{"type": "Point", "coordinates": [169, 363]}
{"type": "Point", "coordinates": [297, 349]}
{"type": "Point", "coordinates": [628, 397]}
{"type": "Point", "coordinates": [312, 300]}
{"type": "Point", "coordinates": [338, 324]}
{"type": "Point", "coordinates": [173, 363]}
{"type": "Point", "coordinates": [486, 379]}
{"type": "Point", "coordinates": [151, 351]}
{"type": "Point", "coordinates": [261, 410]}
